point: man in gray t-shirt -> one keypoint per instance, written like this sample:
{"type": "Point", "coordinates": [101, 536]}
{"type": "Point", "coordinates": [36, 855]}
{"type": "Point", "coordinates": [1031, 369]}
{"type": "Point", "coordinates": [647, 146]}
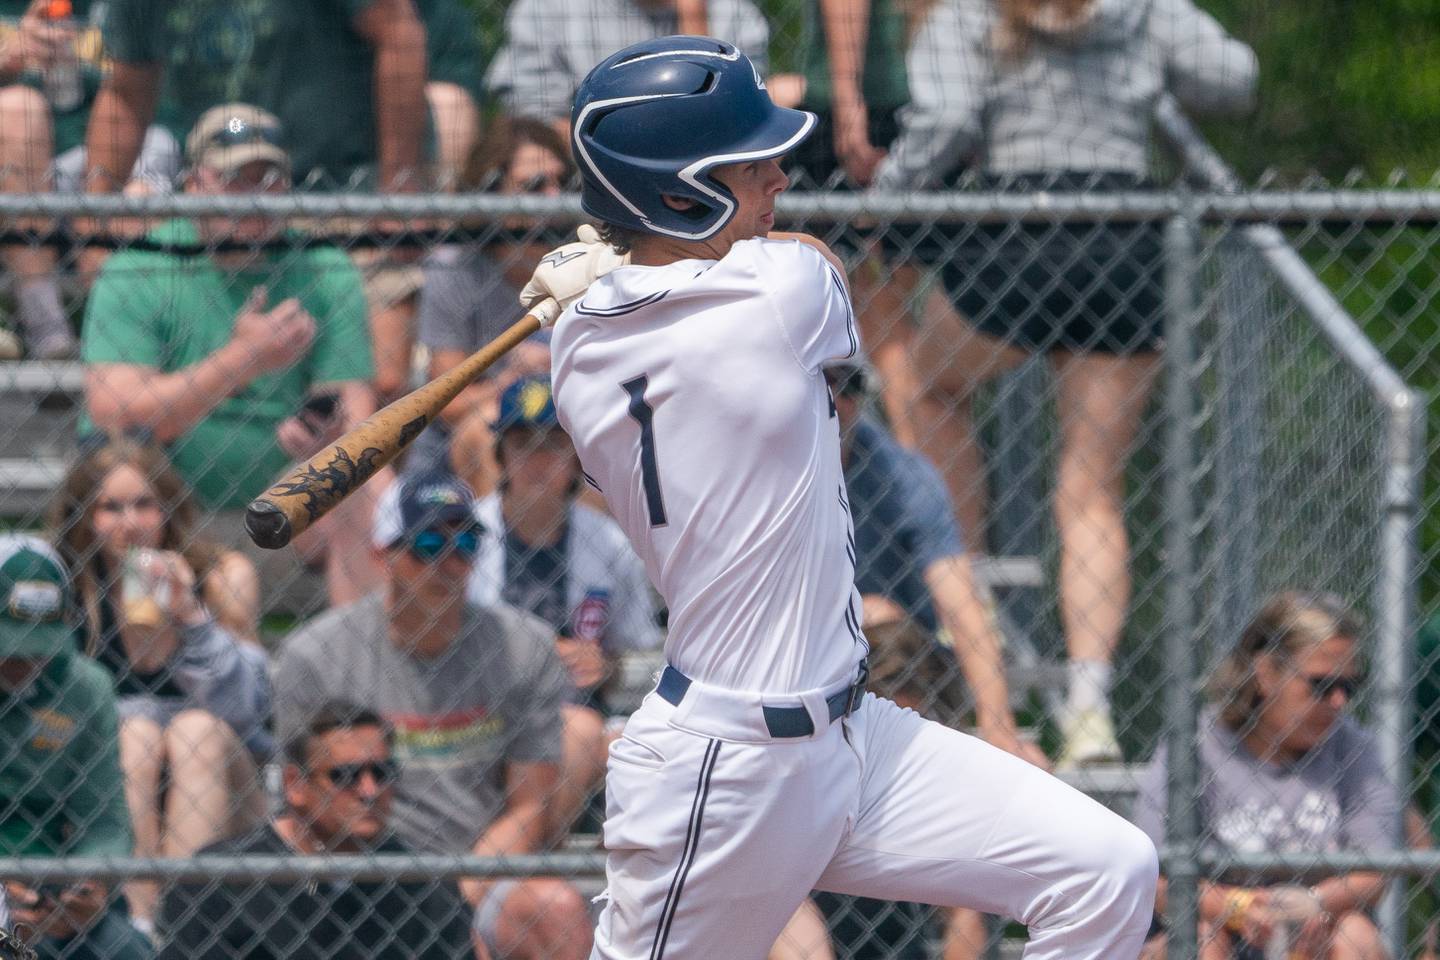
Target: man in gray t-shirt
{"type": "Point", "coordinates": [473, 695]}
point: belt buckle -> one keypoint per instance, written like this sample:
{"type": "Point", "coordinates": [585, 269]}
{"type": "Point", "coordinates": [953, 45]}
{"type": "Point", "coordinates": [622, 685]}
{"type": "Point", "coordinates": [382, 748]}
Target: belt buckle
{"type": "Point", "coordinates": [857, 689]}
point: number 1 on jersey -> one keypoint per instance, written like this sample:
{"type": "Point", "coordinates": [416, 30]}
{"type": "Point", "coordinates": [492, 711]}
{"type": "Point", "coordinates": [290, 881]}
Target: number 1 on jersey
{"type": "Point", "coordinates": [649, 468]}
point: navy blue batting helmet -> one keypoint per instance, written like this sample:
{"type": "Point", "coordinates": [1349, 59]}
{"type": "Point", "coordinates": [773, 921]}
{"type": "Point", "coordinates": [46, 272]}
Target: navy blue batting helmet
{"type": "Point", "coordinates": [656, 118]}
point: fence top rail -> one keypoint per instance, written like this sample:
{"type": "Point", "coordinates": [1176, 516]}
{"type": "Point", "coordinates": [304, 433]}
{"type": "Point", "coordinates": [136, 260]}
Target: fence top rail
{"type": "Point", "coordinates": [1300, 206]}
{"type": "Point", "coordinates": [238, 867]}
{"type": "Point", "coordinates": [1215, 862]}
{"type": "Point", "coordinates": [417, 866]}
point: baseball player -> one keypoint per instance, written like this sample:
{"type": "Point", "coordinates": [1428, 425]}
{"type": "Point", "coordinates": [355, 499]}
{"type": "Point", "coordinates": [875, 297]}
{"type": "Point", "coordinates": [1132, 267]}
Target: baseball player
{"type": "Point", "coordinates": [690, 381]}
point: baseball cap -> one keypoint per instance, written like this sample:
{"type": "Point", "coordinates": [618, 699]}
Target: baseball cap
{"type": "Point", "coordinates": [527, 403]}
{"type": "Point", "coordinates": [420, 502]}
{"type": "Point", "coordinates": [35, 591]}
{"type": "Point", "coordinates": [227, 137]}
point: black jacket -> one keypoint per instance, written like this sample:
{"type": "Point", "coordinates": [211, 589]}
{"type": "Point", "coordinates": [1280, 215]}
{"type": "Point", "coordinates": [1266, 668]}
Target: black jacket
{"type": "Point", "coordinates": [336, 920]}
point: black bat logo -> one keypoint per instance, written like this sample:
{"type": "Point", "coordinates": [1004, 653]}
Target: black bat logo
{"type": "Point", "coordinates": [323, 487]}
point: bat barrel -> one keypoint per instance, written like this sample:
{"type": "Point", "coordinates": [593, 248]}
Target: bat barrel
{"type": "Point", "coordinates": [267, 525]}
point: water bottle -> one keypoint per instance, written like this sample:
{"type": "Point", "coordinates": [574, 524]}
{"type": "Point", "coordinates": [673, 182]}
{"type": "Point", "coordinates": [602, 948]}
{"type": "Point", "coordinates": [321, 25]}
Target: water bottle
{"type": "Point", "coordinates": [63, 87]}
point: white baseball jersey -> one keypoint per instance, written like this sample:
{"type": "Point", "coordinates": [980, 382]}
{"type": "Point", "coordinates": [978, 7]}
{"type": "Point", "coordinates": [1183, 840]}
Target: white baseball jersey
{"type": "Point", "coordinates": [694, 395]}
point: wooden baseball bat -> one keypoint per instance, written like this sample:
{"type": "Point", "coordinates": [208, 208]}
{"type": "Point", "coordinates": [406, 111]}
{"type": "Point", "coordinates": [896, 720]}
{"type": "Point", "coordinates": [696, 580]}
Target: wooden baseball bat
{"type": "Point", "coordinates": [312, 489]}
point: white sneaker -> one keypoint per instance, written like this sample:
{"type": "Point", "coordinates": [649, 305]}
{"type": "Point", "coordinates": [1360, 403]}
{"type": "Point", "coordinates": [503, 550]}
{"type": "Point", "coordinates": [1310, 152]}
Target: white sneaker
{"type": "Point", "coordinates": [10, 346]}
{"type": "Point", "coordinates": [1089, 739]}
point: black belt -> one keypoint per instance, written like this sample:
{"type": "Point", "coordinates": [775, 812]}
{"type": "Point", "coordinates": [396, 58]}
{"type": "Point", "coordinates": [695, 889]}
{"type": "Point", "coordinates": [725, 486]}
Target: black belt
{"type": "Point", "coordinates": [782, 722]}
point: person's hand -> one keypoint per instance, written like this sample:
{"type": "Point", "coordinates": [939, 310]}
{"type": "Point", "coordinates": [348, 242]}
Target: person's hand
{"type": "Point", "coordinates": [77, 909]}
{"type": "Point", "coordinates": [565, 273]}
{"type": "Point", "coordinates": [35, 44]}
{"type": "Point", "coordinates": [301, 435]}
{"type": "Point", "coordinates": [474, 890]}
{"type": "Point", "coordinates": [81, 906]}
{"type": "Point", "coordinates": [585, 661]}
{"type": "Point", "coordinates": [1302, 910]}
{"type": "Point", "coordinates": [857, 155]}
{"type": "Point", "coordinates": [266, 341]}
{"type": "Point", "coordinates": [27, 908]}
{"type": "Point", "coordinates": [173, 570]}
{"type": "Point", "coordinates": [1257, 924]}
{"type": "Point", "coordinates": [1009, 740]}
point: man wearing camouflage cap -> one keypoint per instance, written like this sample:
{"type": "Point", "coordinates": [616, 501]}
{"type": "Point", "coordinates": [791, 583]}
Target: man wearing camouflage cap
{"type": "Point", "coordinates": [61, 793]}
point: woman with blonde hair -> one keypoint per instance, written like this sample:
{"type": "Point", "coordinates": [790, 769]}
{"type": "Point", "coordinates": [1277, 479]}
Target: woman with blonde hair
{"type": "Point", "coordinates": [1053, 95]}
{"type": "Point", "coordinates": [1284, 769]}
{"type": "Point", "coordinates": [173, 619]}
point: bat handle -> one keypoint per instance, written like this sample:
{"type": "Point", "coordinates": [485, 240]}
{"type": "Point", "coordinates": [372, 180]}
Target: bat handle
{"type": "Point", "coordinates": [267, 525]}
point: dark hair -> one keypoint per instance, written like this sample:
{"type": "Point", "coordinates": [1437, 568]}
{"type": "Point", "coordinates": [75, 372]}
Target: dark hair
{"type": "Point", "coordinates": [1287, 625]}
{"type": "Point", "coordinates": [72, 515]}
{"type": "Point", "coordinates": [333, 715]}
{"type": "Point", "coordinates": [619, 238]}
{"type": "Point", "coordinates": [495, 151]}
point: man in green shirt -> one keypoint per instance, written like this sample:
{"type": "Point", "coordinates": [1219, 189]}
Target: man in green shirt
{"type": "Point", "coordinates": [61, 792]}
{"type": "Point", "coordinates": [238, 358]}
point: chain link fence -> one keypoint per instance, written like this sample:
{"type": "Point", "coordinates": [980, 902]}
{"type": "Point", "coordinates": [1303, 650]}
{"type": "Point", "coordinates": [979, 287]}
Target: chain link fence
{"type": "Point", "coordinates": [1182, 535]}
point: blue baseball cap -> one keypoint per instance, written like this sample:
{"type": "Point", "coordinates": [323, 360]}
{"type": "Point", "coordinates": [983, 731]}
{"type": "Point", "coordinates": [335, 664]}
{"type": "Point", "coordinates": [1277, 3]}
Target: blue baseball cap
{"type": "Point", "coordinates": [527, 403]}
{"type": "Point", "coordinates": [420, 503]}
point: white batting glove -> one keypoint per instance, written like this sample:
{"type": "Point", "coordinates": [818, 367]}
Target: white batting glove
{"type": "Point", "coordinates": [565, 273]}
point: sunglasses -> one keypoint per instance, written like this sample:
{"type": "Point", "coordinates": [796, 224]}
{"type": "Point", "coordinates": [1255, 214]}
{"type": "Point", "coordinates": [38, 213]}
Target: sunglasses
{"type": "Point", "coordinates": [1321, 688]}
{"type": "Point", "coordinates": [237, 132]}
{"type": "Point", "coordinates": [541, 183]}
{"type": "Point", "coordinates": [347, 775]}
{"type": "Point", "coordinates": [431, 546]}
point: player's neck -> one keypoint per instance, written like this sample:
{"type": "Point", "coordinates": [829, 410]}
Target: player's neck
{"type": "Point", "coordinates": [655, 251]}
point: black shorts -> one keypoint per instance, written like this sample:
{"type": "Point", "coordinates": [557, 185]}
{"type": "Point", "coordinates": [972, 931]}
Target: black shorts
{"type": "Point", "coordinates": [1078, 287]}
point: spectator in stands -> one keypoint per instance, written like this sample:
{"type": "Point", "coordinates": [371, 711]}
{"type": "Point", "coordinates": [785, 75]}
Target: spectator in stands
{"type": "Point", "coordinates": [60, 782]}
{"type": "Point", "coordinates": [542, 552]}
{"type": "Point", "coordinates": [339, 788]}
{"type": "Point", "coordinates": [347, 80]}
{"type": "Point", "coordinates": [551, 44]}
{"type": "Point", "coordinates": [909, 555]}
{"type": "Point", "coordinates": [1284, 769]}
{"type": "Point", "coordinates": [50, 67]}
{"type": "Point", "coordinates": [854, 81]}
{"type": "Point", "coordinates": [905, 667]}
{"type": "Point", "coordinates": [474, 695]}
{"type": "Point", "coordinates": [1057, 95]}
{"type": "Point", "coordinates": [393, 277]}
{"type": "Point", "coordinates": [911, 566]}
{"type": "Point", "coordinates": [238, 360]}
{"type": "Point", "coordinates": [471, 292]}
{"type": "Point", "coordinates": [173, 620]}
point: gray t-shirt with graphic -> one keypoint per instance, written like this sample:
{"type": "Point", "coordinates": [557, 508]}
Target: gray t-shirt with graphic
{"type": "Point", "coordinates": [1337, 797]}
{"type": "Point", "coordinates": [493, 698]}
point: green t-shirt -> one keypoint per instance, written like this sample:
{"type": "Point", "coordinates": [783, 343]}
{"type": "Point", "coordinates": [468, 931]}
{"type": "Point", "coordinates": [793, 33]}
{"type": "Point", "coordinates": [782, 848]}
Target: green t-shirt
{"type": "Point", "coordinates": [303, 61]}
{"type": "Point", "coordinates": [168, 311]}
{"type": "Point", "coordinates": [452, 45]}
{"type": "Point", "coordinates": [69, 125]}
{"type": "Point", "coordinates": [883, 78]}
{"type": "Point", "coordinates": [61, 793]}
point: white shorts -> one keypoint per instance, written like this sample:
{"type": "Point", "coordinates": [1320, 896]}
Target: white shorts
{"type": "Point", "coordinates": [713, 843]}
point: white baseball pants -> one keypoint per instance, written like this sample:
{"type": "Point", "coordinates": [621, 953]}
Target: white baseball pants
{"type": "Point", "coordinates": [716, 833]}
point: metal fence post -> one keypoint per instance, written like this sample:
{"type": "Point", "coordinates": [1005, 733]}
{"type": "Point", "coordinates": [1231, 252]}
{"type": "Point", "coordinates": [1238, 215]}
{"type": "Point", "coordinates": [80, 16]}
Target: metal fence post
{"type": "Point", "coordinates": [1182, 914]}
{"type": "Point", "coordinates": [1394, 632]}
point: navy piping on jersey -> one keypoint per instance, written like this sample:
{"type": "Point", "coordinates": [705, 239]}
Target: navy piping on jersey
{"type": "Point", "coordinates": [687, 853]}
{"type": "Point", "coordinates": [591, 480]}
{"type": "Point", "coordinates": [621, 309]}
{"type": "Point", "coordinates": [849, 311]}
